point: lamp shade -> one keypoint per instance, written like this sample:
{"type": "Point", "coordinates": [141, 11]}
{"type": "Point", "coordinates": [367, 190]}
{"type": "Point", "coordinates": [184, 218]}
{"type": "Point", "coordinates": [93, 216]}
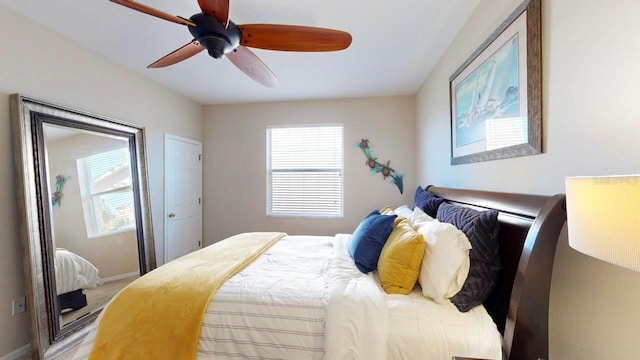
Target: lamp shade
{"type": "Point", "coordinates": [603, 218]}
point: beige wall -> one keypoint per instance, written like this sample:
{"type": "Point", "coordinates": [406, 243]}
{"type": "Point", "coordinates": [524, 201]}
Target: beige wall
{"type": "Point", "coordinates": [113, 254]}
{"type": "Point", "coordinates": [41, 64]}
{"type": "Point", "coordinates": [235, 161]}
{"type": "Point", "coordinates": [591, 112]}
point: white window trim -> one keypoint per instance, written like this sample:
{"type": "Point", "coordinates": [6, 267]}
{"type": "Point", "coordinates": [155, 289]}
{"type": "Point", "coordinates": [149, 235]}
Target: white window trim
{"type": "Point", "coordinates": [112, 233]}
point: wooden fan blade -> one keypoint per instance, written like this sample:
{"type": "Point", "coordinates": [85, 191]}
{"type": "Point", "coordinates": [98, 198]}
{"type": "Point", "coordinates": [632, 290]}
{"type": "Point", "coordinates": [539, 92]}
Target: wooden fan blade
{"type": "Point", "coordinates": [293, 38]}
{"type": "Point", "coordinates": [153, 12]}
{"type": "Point", "coordinates": [176, 56]}
{"type": "Point", "coordinates": [245, 60]}
{"type": "Point", "coordinates": [219, 9]}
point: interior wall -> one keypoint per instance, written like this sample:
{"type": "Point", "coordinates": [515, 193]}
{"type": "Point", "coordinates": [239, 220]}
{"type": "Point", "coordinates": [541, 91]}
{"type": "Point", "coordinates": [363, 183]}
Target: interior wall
{"type": "Point", "coordinates": [113, 254]}
{"type": "Point", "coordinates": [41, 64]}
{"type": "Point", "coordinates": [235, 162]}
{"type": "Point", "coordinates": [591, 79]}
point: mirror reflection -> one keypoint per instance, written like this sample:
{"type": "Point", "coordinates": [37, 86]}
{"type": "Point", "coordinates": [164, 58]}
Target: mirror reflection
{"type": "Point", "coordinates": [83, 196]}
{"type": "Point", "coordinates": [92, 218]}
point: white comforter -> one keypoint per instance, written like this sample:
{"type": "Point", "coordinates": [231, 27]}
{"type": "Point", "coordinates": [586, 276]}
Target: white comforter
{"type": "Point", "coordinates": [73, 272]}
{"type": "Point", "coordinates": [302, 299]}
{"type": "Point", "coordinates": [423, 329]}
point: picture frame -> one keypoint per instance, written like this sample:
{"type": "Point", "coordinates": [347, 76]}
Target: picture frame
{"type": "Point", "coordinates": [496, 94]}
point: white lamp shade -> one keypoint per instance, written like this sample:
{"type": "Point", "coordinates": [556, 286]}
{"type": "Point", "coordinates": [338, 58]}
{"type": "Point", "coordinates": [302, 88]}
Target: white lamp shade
{"type": "Point", "coordinates": [603, 218]}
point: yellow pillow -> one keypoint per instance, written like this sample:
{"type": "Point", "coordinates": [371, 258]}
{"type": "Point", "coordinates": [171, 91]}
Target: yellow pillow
{"type": "Point", "coordinates": [400, 260]}
{"type": "Point", "coordinates": [387, 210]}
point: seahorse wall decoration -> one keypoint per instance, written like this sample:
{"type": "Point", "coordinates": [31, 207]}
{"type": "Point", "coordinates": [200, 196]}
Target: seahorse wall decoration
{"type": "Point", "coordinates": [378, 167]}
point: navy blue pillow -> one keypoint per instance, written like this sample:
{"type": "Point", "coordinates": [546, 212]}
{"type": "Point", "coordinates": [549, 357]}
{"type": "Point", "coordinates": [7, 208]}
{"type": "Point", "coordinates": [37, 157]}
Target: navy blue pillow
{"type": "Point", "coordinates": [368, 239]}
{"type": "Point", "coordinates": [427, 202]}
{"type": "Point", "coordinates": [481, 228]}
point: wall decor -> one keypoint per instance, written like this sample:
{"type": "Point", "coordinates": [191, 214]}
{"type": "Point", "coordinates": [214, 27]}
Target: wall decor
{"type": "Point", "coordinates": [378, 167]}
{"type": "Point", "coordinates": [496, 95]}
{"type": "Point", "coordinates": [57, 194]}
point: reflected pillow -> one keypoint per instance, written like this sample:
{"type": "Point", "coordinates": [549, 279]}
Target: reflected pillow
{"type": "Point", "coordinates": [368, 239]}
{"type": "Point", "coordinates": [481, 228]}
{"type": "Point", "coordinates": [426, 201]}
{"type": "Point", "coordinates": [399, 263]}
{"type": "Point", "coordinates": [445, 264]}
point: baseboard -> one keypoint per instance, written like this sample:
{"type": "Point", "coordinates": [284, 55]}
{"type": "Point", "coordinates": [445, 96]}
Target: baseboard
{"type": "Point", "coordinates": [17, 353]}
{"type": "Point", "coordinates": [118, 277]}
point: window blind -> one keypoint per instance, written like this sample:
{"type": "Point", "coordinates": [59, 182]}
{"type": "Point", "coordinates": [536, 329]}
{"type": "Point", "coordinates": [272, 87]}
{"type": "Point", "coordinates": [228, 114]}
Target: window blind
{"type": "Point", "coordinates": [304, 171]}
{"type": "Point", "coordinates": [106, 190]}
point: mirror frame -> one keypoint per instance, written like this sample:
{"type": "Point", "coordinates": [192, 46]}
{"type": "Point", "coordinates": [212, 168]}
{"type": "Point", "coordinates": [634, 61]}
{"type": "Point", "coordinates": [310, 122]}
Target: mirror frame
{"type": "Point", "coordinates": [27, 118]}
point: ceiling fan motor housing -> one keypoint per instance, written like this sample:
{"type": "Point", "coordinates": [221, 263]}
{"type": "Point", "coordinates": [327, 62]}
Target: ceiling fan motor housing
{"type": "Point", "coordinates": [213, 36]}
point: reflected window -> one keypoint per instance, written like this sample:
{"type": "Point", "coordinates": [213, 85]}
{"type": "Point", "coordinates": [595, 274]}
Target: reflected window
{"type": "Point", "coordinates": [501, 133]}
{"type": "Point", "coordinates": [107, 193]}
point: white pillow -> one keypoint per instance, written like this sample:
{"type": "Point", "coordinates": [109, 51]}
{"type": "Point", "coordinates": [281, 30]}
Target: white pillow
{"type": "Point", "coordinates": [404, 211]}
{"type": "Point", "coordinates": [419, 218]}
{"type": "Point", "coordinates": [445, 264]}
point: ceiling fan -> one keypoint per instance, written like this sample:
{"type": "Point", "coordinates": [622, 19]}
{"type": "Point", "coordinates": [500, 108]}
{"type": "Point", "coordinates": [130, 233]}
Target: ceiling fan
{"type": "Point", "coordinates": [212, 30]}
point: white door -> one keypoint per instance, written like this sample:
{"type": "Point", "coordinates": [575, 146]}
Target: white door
{"type": "Point", "coordinates": [183, 196]}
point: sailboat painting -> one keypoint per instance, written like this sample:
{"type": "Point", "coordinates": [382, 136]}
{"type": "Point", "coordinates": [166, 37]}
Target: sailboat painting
{"type": "Point", "coordinates": [496, 94]}
{"type": "Point", "coordinates": [489, 92]}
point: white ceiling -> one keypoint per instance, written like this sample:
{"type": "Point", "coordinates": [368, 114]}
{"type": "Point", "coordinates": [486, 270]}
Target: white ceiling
{"type": "Point", "coordinates": [395, 44]}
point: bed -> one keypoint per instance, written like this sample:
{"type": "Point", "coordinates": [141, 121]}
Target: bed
{"type": "Point", "coordinates": [73, 274]}
{"type": "Point", "coordinates": [319, 305]}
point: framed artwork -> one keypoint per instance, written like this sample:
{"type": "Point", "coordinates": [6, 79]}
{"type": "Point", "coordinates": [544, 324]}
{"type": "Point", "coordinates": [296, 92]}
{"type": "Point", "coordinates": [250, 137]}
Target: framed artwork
{"type": "Point", "coordinates": [496, 95]}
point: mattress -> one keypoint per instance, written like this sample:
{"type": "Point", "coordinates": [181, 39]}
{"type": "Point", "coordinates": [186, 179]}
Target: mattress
{"type": "Point", "coordinates": [423, 329]}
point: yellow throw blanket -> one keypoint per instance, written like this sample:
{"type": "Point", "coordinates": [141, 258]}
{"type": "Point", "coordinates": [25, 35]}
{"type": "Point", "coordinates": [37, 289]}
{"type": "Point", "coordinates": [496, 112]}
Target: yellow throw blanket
{"type": "Point", "coordinates": [159, 315]}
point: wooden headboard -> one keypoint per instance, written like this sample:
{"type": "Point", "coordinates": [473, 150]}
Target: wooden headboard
{"type": "Point", "coordinates": [529, 229]}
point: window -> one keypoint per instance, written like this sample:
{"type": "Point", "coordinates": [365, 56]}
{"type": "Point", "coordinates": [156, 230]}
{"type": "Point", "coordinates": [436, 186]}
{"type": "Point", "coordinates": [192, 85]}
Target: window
{"type": "Point", "coordinates": [106, 190]}
{"type": "Point", "coordinates": [304, 171]}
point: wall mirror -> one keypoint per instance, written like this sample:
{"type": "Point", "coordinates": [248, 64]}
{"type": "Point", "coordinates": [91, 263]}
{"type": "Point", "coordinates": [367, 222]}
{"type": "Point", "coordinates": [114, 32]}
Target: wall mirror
{"type": "Point", "coordinates": [85, 216]}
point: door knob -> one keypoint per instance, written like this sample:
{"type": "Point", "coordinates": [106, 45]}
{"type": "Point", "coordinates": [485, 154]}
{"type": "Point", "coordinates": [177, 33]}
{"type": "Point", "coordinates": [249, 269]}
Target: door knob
{"type": "Point", "coordinates": [172, 215]}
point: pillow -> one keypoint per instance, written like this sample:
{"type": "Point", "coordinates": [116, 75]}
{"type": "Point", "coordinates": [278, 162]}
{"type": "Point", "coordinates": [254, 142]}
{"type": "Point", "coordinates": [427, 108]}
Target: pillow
{"type": "Point", "coordinates": [446, 260]}
{"type": "Point", "coordinates": [386, 210]}
{"type": "Point", "coordinates": [426, 201]}
{"type": "Point", "coordinates": [404, 211]}
{"type": "Point", "coordinates": [419, 218]}
{"type": "Point", "coordinates": [368, 239]}
{"type": "Point", "coordinates": [481, 228]}
{"type": "Point", "coordinates": [399, 263]}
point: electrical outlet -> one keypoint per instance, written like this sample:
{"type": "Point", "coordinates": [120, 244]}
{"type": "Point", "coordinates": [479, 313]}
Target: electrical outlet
{"type": "Point", "coordinates": [19, 306]}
